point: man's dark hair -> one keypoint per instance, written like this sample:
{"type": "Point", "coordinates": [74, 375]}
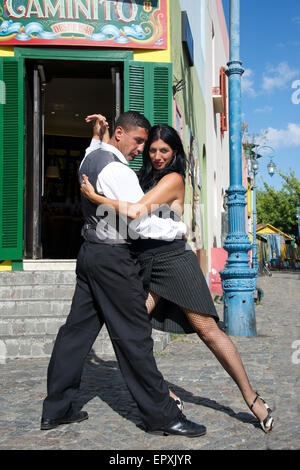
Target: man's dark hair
{"type": "Point", "coordinates": [132, 119]}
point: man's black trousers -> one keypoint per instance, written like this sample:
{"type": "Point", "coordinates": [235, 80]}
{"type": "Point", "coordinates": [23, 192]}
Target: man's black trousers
{"type": "Point", "coordinates": [108, 290]}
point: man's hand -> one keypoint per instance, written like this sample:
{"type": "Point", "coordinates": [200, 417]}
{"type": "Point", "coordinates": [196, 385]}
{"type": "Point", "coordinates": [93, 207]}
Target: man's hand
{"type": "Point", "coordinates": [86, 188]}
{"type": "Point", "coordinates": [100, 126]}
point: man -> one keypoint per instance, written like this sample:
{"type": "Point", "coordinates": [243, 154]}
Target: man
{"type": "Point", "coordinates": [109, 290]}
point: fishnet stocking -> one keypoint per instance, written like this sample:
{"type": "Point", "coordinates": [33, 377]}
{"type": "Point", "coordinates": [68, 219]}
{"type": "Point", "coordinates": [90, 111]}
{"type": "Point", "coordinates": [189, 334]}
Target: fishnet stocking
{"type": "Point", "coordinates": [152, 301]}
{"type": "Point", "coordinates": [224, 350]}
{"type": "Point", "coordinates": [227, 354]}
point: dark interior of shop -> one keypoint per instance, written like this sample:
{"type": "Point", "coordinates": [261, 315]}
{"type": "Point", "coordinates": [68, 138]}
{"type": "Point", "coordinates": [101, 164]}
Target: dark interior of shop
{"type": "Point", "coordinates": [70, 91]}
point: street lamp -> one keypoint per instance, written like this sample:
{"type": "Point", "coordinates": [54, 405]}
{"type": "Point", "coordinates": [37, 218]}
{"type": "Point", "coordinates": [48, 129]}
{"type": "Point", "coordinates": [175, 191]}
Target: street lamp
{"type": "Point", "coordinates": [271, 170]}
{"type": "Point", "coordinates": [254, 164]}
{"type": "Point", "coordinates": [271, 167]}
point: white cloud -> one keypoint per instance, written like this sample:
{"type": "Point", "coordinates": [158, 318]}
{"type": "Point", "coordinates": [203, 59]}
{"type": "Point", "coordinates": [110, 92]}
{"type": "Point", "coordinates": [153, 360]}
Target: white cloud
{"type": "Point", "coordinates": [288, 44]}
{"type": "Point", "coordinates": [247, 82]}
{"type": "Point", "coordinates": [265, 109]}
{"type": "Point", "coordinates": [276, 138]}
{"type": "Point", "coordinates": [278, 77]}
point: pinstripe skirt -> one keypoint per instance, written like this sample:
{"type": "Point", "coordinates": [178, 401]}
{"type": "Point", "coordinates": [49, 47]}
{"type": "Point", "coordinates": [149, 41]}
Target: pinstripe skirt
{"type": "Point", "coordinates": [175, 275]}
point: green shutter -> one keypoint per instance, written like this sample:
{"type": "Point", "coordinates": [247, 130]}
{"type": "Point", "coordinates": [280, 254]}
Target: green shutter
{"type": "Point", "coordinates": [162, 94]}
{"type": "Point", "coordinates": [134, 86]}
{"type": "Point", "coordinates": [11, 159]}
{"type": "Point", "coordinates": [148, 90]}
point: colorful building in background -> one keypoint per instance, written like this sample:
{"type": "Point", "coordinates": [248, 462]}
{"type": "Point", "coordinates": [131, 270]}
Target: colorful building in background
{"type": "Point", "coordinates": [276, 249]}
{"type": "Point", "coordinates": [60, 61]}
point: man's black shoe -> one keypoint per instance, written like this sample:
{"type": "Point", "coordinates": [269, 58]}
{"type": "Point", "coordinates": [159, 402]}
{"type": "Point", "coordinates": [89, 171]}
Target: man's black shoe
{"type": "Point", "coordinates": [47, 424]}
{"type": "Point", "coordinates": [181, 426]}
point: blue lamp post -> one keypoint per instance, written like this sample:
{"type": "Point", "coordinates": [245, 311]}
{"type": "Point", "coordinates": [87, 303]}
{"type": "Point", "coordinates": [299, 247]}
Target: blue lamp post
{"type": "Point", "coordinates": [238, 278]}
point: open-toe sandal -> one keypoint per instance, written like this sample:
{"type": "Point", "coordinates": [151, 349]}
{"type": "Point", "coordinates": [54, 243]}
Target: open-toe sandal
{"type": "Point", "coordinates": [267, 423]}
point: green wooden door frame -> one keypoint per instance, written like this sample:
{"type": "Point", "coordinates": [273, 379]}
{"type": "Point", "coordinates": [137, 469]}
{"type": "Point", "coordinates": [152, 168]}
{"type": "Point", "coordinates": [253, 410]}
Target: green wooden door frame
{"type": "Point", "coordinates": [66, 54]}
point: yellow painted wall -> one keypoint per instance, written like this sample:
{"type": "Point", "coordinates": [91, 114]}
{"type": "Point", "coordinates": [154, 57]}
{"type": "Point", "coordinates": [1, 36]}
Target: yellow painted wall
{"type": "Point", "coordinates": [269, 229]}
{"type": "Point", "coordinates": [5, 266]}
{"type": "Point", "coordinates": [156, 56]}
{"type": "Point", "coordinates": [6, 51]}
{"type": "Point", "coordinates": [249, 199]}
{"type": "Point", "coordinates": [266, 230]}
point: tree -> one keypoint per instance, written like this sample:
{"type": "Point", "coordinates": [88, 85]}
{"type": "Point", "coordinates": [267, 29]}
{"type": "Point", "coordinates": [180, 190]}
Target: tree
{"type": "Point", "coordinates": [279, 207]}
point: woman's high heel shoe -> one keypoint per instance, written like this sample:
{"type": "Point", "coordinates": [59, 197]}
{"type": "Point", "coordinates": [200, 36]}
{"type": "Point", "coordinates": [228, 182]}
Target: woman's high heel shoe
{"type": "Point", "coordinates": [179, 403]}
{"type": "Point", "coordinates": [267, 423]}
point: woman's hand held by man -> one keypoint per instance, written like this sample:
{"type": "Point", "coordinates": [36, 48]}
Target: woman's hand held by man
{"type": "Point", "coordinates": [100, 126]}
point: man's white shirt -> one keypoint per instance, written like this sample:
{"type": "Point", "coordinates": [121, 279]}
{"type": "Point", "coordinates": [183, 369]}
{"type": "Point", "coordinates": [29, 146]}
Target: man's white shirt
{"type": "Point", "coordinates": [118, 181]}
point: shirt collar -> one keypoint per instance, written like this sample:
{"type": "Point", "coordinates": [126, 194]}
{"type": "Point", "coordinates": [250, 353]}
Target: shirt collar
{"type": "Point", "coordinates": [115, 151]}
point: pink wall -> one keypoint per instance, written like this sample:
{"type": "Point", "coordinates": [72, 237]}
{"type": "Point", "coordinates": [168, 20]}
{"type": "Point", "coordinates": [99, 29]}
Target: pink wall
{"type": "Point", "coordinates": [218, 260]}
{"type": "Point", "coordinates": [223, 26]}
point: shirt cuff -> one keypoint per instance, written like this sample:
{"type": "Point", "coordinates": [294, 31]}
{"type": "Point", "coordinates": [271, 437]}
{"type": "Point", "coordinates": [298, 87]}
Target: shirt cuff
{"type": "Point", "coordinates": [95, 143]}
{"type": "Point", "coordinates": [182, 227]}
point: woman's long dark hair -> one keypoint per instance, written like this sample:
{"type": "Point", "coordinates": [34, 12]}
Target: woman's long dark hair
{"type": "Point", "coordinates": [177, 164]}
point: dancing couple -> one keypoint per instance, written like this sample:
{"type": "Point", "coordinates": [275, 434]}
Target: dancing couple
{"type": "Point", "coordinates": [133, 279]}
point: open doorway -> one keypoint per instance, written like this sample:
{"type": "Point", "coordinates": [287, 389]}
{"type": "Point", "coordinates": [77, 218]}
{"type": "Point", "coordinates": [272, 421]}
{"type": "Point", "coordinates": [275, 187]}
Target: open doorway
{"type": "Point", "coordinates": [59, 94]}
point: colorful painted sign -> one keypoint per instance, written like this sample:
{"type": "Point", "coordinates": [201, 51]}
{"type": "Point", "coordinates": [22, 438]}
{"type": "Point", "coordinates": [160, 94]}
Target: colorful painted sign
{"type": "Point", "coordinates": [119, 23]}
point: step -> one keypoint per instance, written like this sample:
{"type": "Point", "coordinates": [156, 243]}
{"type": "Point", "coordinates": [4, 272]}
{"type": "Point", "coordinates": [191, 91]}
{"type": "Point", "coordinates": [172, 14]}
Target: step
{"type": "Point", "coordinates": [30, 326]}
{"type": "Point", "coordinates": [49, 264]}
{"type": "Point", "coordinates": [39, 346]}
{"type": "Point", "coordinates": [22, 278]}
{"type": "Point", "coordinates": [33, 306]}
{"type": "Point", "coordinates": [35, 292]}
{"type": "Point", "coordinates": [37, 285]}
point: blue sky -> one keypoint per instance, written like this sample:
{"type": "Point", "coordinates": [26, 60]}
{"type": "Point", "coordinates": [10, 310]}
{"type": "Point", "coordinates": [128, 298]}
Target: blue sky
{"type": "Point", "coordinates": [270, 53]}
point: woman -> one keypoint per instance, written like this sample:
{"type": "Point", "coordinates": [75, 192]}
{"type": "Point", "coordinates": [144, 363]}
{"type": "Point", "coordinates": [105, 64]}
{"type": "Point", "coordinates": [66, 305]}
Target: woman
{"type": "Point", "coordinates": [170, 270]}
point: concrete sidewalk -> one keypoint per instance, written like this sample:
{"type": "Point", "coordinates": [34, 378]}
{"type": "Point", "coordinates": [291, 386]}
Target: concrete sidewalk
{"type": "Point", "coordinates": [272, 361]}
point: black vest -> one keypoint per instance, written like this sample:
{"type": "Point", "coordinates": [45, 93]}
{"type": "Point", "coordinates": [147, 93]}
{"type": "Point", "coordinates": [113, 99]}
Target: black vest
{"type": "Point", "coordinates": [102, 223]}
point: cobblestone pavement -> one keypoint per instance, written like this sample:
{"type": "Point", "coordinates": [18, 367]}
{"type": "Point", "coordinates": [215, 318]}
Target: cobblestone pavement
{"type": "Point", "coordinates": [272, 361]}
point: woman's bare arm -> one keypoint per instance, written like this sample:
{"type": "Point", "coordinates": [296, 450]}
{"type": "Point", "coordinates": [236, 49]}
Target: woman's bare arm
{"type": "Point", "coordinates": [169, 189]}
